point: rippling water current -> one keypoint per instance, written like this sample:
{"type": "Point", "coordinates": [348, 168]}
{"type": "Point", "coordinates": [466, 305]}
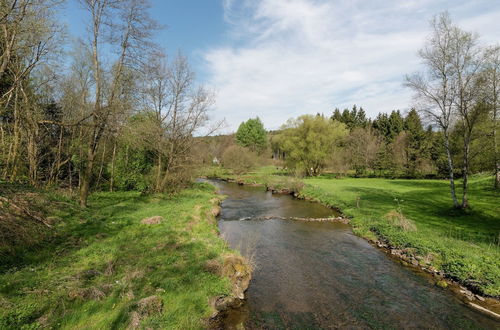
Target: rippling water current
{"type": "Point", "coordinates": [312, 275]}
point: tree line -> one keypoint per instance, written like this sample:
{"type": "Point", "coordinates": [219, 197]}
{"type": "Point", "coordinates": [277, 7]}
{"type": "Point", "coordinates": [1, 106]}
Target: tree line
{"type": "Point", "coordinates": [113, 112]}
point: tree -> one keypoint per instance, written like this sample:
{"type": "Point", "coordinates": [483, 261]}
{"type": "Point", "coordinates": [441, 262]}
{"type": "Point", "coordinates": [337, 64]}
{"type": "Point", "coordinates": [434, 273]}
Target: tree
{"type": "Point", "coordinates": [238, 159]}
{"type": "Point", "coordinates": [362, 146]}
{"type": "Point", "coordinates": [251, 134]}
{"type": "Point", "coordinates": [309, 141]}
{"type": "Point", "coordinates": [351, 118]}
{"type": "Point", "coordinates": [337, 115]}
{"type": "Point", "coordinates": [132, 30]}
{"type": "Point", "coordinates": [491, 76]}
{"type": "Point", "coordinates": [30, 36]}
{"type": "Point", "coordinates": [389, 126]}
{"type": "Point", "coordinates": [434, 88]}
{"type": "Point", "coordinates": [416, 148]}
{"type": "Point", "coordinates": [177, 109]}
{"type": "Point", "coordinates": [465, 65]}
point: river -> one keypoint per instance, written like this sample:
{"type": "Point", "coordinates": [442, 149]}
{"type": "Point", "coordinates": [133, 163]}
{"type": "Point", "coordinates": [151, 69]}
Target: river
{"type": "Point", "coordinates": [319, 275]}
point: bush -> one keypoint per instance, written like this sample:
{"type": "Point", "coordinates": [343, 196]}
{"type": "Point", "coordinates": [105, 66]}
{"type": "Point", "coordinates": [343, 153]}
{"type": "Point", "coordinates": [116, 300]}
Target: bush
{"type": "Point", "coordinates": [238, 159]}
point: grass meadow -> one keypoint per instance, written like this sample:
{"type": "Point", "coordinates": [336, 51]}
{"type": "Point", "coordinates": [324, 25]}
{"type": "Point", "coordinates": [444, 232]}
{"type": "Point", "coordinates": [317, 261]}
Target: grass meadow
{"type": "Point", "coordinates": [101, 261]}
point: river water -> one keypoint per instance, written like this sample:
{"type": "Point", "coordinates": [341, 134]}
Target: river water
{"type": "Point", "coordinates": [319, 275]}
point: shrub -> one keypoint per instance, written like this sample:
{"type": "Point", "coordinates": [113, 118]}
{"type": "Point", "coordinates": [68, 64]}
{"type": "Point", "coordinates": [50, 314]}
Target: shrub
{"type": "Point", "coordinates": [238, 159]}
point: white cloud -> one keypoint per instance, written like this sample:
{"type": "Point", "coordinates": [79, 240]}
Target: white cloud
{"type": "Point", "coordinates": [290, 57]}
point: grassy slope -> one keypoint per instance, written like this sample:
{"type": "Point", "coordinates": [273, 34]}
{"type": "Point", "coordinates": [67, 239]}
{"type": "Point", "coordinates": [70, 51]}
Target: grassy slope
{"type": "Point", "coordinates": [464, 245]}
{"type": "Point", "coordinates": [58, 284]}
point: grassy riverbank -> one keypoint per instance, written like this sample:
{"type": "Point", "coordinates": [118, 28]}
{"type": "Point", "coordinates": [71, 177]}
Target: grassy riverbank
{"type": "Point", "coordinates": [464, 245]}
{"type": "Point", "coordinates": [99, 264]}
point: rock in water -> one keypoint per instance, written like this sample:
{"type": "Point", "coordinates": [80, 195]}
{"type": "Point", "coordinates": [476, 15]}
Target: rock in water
{"type": "Point", "coordinates": [442, 284]}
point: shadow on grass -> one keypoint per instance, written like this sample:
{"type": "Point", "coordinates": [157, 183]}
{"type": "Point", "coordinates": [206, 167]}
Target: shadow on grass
{"type": "Point", "coordinates": [432, 208]}
{"type": "Point", "coordinates": [79, 228]}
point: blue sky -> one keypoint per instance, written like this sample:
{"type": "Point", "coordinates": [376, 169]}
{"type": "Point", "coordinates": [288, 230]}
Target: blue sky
{"type": "Point", "coordinates": [278, 59]}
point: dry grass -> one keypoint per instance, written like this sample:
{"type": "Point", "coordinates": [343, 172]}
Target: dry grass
{"type": "Point", "coordinates": [399, 220]}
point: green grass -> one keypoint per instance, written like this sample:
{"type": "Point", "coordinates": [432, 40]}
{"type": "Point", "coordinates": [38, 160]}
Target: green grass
{"type": "Point", "coordinates": [464, 245]}
{"type": "Point", "coordinates": [102, 261]}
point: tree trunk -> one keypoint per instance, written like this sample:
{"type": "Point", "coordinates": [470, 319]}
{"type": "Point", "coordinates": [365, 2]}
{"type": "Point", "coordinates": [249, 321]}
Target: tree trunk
{"type": "Point", "coordinates": [33, 157]}
{"type": "Point", "coordinates": [450, 169]}
{"type": "Point", "coordinates": [70, 174]}
{"type": "Point", "coordinates": [102, 164]}
{"type": "Point", "coordinates": [158, 174]}
{"type": "Point", "coordinates": [86, 177]}
{"type": "Point", "coordinates": [112, 179]}
{"type": "Point", "coordinates": [495, 144]}
{"type": "Point", "coordinates": [16, 142]}
{"type": "Point", "coordinates": [465, 202]}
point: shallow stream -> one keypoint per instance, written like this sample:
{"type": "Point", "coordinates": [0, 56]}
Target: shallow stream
{"type": "Point", "coordinates": [319, 275]}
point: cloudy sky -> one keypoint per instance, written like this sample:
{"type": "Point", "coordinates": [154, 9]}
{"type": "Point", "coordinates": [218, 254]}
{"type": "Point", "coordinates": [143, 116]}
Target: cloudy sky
{"type": "Point", "coordinates": [278, 59]}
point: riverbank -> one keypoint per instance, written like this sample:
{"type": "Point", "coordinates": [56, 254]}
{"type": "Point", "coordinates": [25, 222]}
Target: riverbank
{"type": "Point", "coordinates": [413, 218]}
{"type": "Point", "coordinates": [129, 260]}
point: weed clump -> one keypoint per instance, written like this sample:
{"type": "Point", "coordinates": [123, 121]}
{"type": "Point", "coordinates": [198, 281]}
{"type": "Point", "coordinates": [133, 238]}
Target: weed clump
{"type": "Point", "coordinates": [152, 220]}
{"type": "Point", "coordinates": [397, 219]}
{"type": "Point", "coordinates": [146, 307]}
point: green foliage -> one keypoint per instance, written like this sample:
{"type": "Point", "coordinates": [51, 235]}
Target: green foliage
{"type": "Point", "coordinates": [352, 119]}
{"type": "Point", "coordinates": [251, 134]}
{"type": "Point", "coordinates": [23, 317]}
{"type": "Point", "coordinates": [389, 126]}
{"type": "Point", "coordinates": [133, 166]}
{"type": "Point", "coordinates": [417, 146]}
{"type": "Point", "coordinates": [309, 141]}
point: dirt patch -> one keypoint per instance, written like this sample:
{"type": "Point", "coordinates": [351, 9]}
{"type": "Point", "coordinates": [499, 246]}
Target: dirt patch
{"type": "Point", "coordinates": [91, 293]}
{"type": "Point", "coordinates": [152, 220]}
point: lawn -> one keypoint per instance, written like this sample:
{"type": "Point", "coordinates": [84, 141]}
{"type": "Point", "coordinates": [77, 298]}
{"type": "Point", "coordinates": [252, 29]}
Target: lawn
{"type": "Point", "coordinates": [103, 261]}
{"type": "Point", "coordinates": [464, 245]}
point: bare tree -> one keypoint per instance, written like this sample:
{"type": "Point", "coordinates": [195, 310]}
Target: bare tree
{"type": "Point", "coordinates": [131, 32]}
{"type": "Point", "coordinates": [29, 37]}
{"type": "Point", "coordinates": [363, 145]}
{"type": "Point", "coordinates": [491, 74]}
{"type": "Point", "coordinates": [465, 64]}
{"type": "Point", "coordinates": [180, 109]}
{"type": "Point", "coordinates": [434, 89]}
